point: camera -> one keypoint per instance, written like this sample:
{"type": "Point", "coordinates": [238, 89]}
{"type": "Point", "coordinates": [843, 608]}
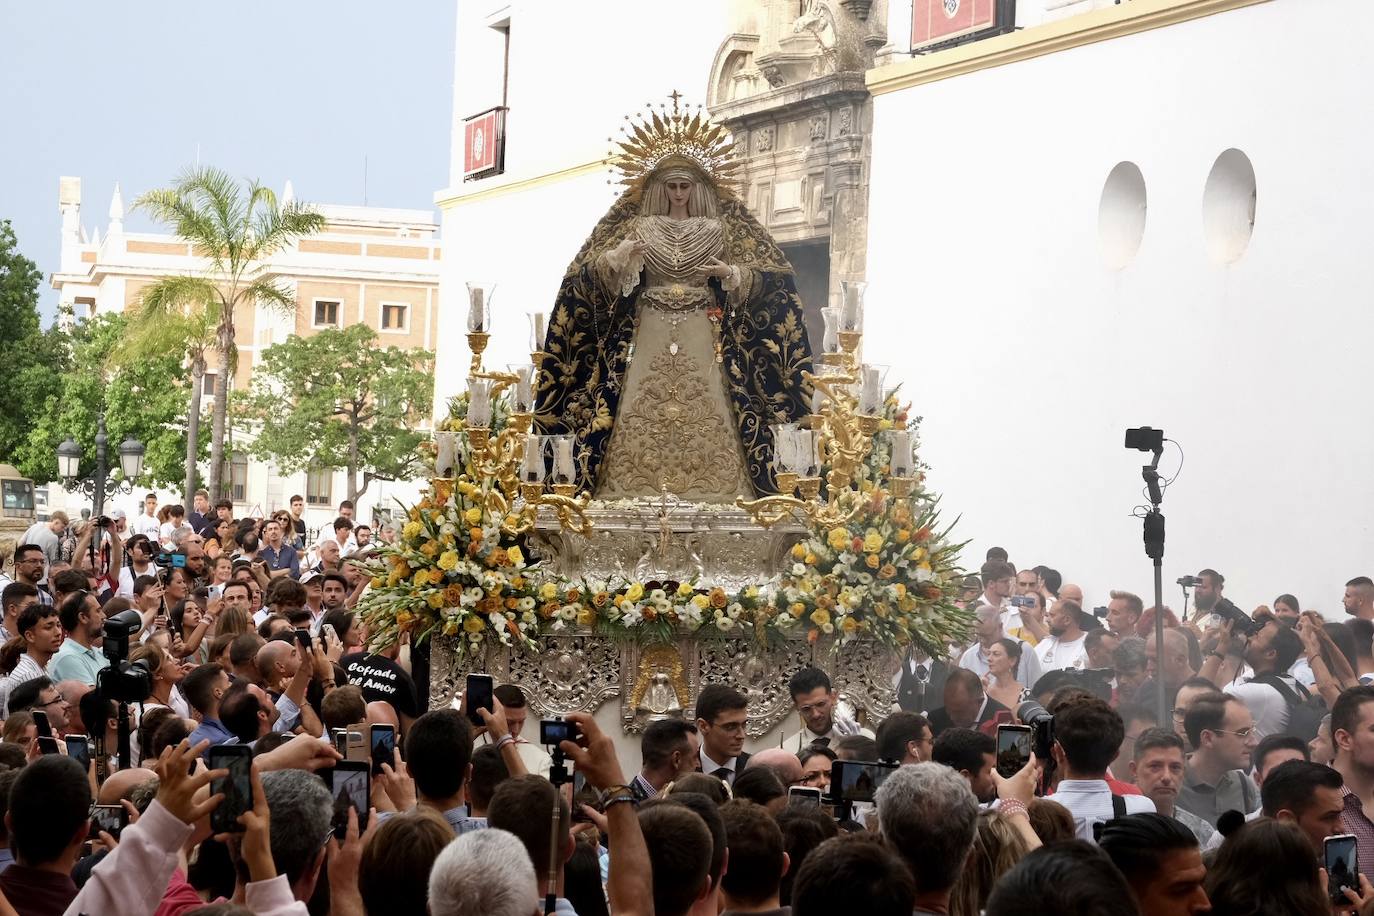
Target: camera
{"type": "Point", "coordinates": [124, 681]}
{"type": "Point", "coordinates": [1100, 612]}
{"type": "Point", "coordinates": [1241, 622]}
{"type": "Point", "coordinates": [1189, 581]}
{"type": "Point", "coordinates": [553, 732]}
{"type": "Point", "coordinates": [1021, 601]}
{"type": "Point", "coordinates": [172, 560]}
{"type": "Point", "coordinates": [104, 522]}
{"type": "Point", "coordinates": [1042, 727]}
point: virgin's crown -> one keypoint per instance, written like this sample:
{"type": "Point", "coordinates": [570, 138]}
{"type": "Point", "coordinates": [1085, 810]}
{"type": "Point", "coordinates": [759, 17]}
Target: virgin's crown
{"type": "Point", "coordinates": [651, 139]}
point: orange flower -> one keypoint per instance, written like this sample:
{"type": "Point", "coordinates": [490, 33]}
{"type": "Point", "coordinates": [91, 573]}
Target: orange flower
{"type": "Point", "coordinates": [930, 590]}
{"type": "Point", "coordinates": [857, 544]}
{"type": "Point", "coordinates": [489, 605]}
{"type": "Point", "coordinates": [922, 534]}
{"type": "Point", "coordinates": [887, 572]}
{"type": "Point", "coordinates": [718, 598]}
{"type": "Point", "coordinates": [872, 561]}
{"type": "Point", "coordinates": [511, 603]}
{"type": "Point", "coordinates": [549, 609]}
{"type": "Point", "coordinates": [499, 557]}
{"type": "Point", "coordinates": [572, 596]}
{"type": "Point", "coordinates": [514, 630]}
{"type": "Point", "coordinates": [453, 595]}
{"type": "Point", "coordinates": [600, 599]}
{"type": "Point", "coordinates": [650, 613]}
{"type": "Point", "coordinates": [475, 534]}
{"type": "Point", "coordinates": [903, 535]}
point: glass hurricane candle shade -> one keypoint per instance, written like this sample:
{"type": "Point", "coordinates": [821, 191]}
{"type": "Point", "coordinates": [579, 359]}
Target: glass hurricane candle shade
{"type": "Point", "coordinates": [852, 305]}
{"type": "Point", "coordinates": [445, 453]}
{"type": "Point", "coordinates": [523, 401]}
{"type": "Point", "coordinates": [532, 468]}
{"type": "Point", "coordinates": [479, 402]}
{"type": "Point", "coordinates": [831, 340]}
{"type": "Point", "coordinates": [871, 390]}
{"type": "Point", "coordinates": [479, 306]}
{"type": "Point", "coordinates": [564, 471]}
{"type": "Point", "coordinates": [903, 463]}
{"type": "Point", "coordinates": [536, 332]}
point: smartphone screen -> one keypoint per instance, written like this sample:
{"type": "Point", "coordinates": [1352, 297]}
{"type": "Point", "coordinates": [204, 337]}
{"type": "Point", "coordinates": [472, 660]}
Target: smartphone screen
{"type": "Point", "coordinates": [47, 745]}
{"type": "Point", "coordinates": [553, 732]}
{"type": "Point", "coordinates": [237, 786]}
{"type": "Point", "coordinates": [1342, 866]}
{"type": "Point", "coordinates": [383, 742]}
{"type": "Point", "coordinates": [352, 788]}
{"type": "Point", "coordinates": [583, 794]}
{"type": "Point", "coordinates": [40, 719]}
{"type": "Point", "coordinates": [807, 795]}
{"type": "Point", "coordinates": [857, 781]}
{"type": "Point", "coordinates": [1013, 749]}
{"type": "Point", "coordinates": [303, 640]}
{"type": "Point", "coordinates": [79, 749]}
{"type": "Point", "coordinates": [478, 696]}
{"type": "Point", "coordinates": [109, 818]}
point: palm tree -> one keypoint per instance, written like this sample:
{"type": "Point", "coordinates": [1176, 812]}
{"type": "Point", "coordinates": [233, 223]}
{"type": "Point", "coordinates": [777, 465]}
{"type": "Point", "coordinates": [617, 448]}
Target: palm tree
{"type": "Point", "coordinates": [236, 229]}
{"type": "Point", "coordinates": [172, 318]}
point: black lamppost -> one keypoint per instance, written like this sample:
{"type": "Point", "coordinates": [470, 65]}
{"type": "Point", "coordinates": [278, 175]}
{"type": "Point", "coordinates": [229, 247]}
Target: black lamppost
{"type": "Point", "coordinates": [100, 487]}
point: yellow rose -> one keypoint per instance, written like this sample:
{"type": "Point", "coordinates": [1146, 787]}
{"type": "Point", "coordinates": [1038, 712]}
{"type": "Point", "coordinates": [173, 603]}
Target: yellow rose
{"type": "Point", "coordinates": [376, 581]}
{"type": "Point", "coordinates": [849, 625]}
{"type": "Point", "coordinates": [436, 600]}
{"type": "Point", "coordinates": [448, 559]}
{"type": "Point", "coordinates": [798, 550]}
{"type": "Point", "coordinates": [618, 600]}
{"type": "Point", "coordinates": [473, 516]}
{"type": "Point", "coordinates": [474, 624]}
{"type": "Point", "coordinates": [810, 559]}
{"type": "Point", "coordinates": [411, 530]}
{"type": "Point", "coordinates": [900, 588]}
{"type": "Point", "coordinates": [838, 538]}
{"type": "Point", "coordinates": [872, 540]}
{"type": "Point", "coordinates": [421, 578]}
{"type": "Point", "coordinates": [548, 591]}
{"type": "Point", "coordinates": [515, 555]}
{"type": "Point", "coordinates": [820, 617]}
{"type": "Point", "coordinates": [466, 488]}
{"type": "Point", "coordinates": [701, 601]}
{"type": "Point", "coordinates": [796, 608]}
{"type": "Point", "coordinates": [903, 535]}
{"type": "Point", "coordinates": [634, 592]}
{"type": "Point", "coordinates": [872, 561]}
{"type": "Point", "coordinates": [684, 590]}
{"type": "Point", "coordinates": [586, 616]}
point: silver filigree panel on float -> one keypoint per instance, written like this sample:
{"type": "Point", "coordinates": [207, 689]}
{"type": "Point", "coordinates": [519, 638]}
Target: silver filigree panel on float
{"type": "Point", "coordinates": [578, 671]}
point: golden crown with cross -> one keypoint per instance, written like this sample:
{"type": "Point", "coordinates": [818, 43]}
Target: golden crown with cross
{"type": "Point", "coordinates": [657, 137]}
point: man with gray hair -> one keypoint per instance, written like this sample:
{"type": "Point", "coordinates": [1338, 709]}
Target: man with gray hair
{"type": "Point", "coordinates": [301, 809]}
{"type": "Point", "coordinates": [929, 815]}
{"type": "Point", "coordinates": [483, 873]}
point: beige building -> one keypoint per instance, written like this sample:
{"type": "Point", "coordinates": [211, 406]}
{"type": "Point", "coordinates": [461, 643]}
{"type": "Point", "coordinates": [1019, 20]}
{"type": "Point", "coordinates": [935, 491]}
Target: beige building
{"type": "Point", "coordinates": [370, 265]}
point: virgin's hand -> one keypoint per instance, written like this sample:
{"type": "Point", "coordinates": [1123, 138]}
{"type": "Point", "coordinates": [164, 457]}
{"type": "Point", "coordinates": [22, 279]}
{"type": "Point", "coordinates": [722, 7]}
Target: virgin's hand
{"type": "Point", "coordinates": [715, 268]}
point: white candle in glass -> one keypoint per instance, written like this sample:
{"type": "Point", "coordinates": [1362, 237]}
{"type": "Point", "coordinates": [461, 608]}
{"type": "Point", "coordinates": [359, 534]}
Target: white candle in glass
{"type": "Point", "coordinates": [831, 340]}
{"type": "Point", "coordinates": [476, 309]}
{"type": "Point", "coordinates": [852, 314]}
{"type": "Point", "coordinates": [563, 468]}
{"type": "Point", "coordinates": [479, 402]}
{"type": "Point", "coordinates": [871, 395]}
{"type": "Point", "coordinates": [446, 452]}
{"type": "Point", "coordinates": [901, 453]}
{"type": "Point", "coordinates": [536, 332]}
{"type": "Point", "coordinates": [532, 469]}
{"type": "Point", "coordinates": [524, 390]}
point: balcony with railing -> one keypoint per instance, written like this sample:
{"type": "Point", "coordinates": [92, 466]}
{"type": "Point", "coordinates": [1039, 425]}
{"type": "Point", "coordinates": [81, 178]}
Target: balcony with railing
{"type": "Point", "coordinates": [484, 144]}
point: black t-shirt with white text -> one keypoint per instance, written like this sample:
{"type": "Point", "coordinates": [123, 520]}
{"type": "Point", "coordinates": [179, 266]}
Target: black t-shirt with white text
{"type": "Point", "coordinates": [381, 679]}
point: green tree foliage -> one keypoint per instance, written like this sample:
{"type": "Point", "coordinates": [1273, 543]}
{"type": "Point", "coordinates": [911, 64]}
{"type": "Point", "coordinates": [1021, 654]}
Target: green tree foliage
{"type": "Point", "coordinates": [145, 399]}
{"type": "Point", "coordinates": [237, 228]}
{"type": "Point", "coordinates": [336, 399]}
{"type": "Point", "coordinates": [31, 359]}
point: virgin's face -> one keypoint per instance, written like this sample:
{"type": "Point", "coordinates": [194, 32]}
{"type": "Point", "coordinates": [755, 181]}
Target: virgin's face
{"type": "Point", "coordinates": [679, 189]}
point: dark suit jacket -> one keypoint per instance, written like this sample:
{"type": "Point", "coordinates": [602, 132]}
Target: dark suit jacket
{"type": "Point", "coordinates": [939, 719]}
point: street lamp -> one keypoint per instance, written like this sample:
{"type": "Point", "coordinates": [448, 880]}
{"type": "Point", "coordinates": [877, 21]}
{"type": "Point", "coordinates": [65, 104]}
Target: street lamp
{"type": "Point", "coordinates": [100, 487]}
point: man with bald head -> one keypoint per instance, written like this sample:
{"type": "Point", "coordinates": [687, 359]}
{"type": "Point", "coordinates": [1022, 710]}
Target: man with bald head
{"type": "Point", "coordinates": [1174, 668]}
{"type": "Point", "coordinates": [278, 661]}
{"type": "Point", "coordinates": [781, 761]}
{"type": "Point", "coordinates": [1359, 598]}
{"type": "Point", "coordinates": [1064, 648]}
{"type": "Point", "coordinates": [285, 677]}
{"type": "Point", "coordinates": [120, 783]}
{"type": "Point", "coordinates": [1070, 592]}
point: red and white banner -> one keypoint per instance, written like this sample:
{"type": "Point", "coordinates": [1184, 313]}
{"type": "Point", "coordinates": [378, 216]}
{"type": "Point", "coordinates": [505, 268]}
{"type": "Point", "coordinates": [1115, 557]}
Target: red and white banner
{"type": "Point", "coordinates": [939, 22]}
{"type": "Point", "coordinates": [481, 142]}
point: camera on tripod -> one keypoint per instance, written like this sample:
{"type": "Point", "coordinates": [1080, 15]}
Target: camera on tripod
{"type": "Point", "coordinates": [1189, 581]}
{"type": "Point", "coordinates": [124, 681]}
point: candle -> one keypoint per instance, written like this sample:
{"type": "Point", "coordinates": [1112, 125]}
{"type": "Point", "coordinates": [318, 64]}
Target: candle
{"type": "Point", "coordinates": [524, 390]}
{"type": "Point", "coordinates": [479, 402]}
{"type": "Point", "coordinates": [563, 469]}
{"type": "Point", "coordinates": [536, 331]}
{"type": "Point", "coordinates": [852, 314]}
{"type": "Point", "coordinates": [810, 447]}
{"type": "Point", "coordinates": [532, 470]}
{"type": "Point", "coordinates": [871, 395]}
{"type": "Point", "coordinates": [901, 453]}
{"type": "Point", "coordinates": [446, 453]}
{"type": "Point", "coordinates": [476, 316]}
{"type": "Point", "coordinates": [831, 340]}
{"type": "Point", "coordinates": [817, 401]}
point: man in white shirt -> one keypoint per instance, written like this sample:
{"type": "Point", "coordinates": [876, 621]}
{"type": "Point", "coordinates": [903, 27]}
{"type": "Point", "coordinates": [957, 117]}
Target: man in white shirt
{"type": "Point", "coordinates": [1087, 735]}
{"type": "Point", "coordinates": [987, 627]}
{"type": "Point", "coordinates": [1064, 646]}
{"type": "Point", "coordinates": [721, 714]}
{"type": "Point", "coordinates": [1270, 653]}
{"type": "Point", "coordinates": [512, 699]}
{"type": "Point", "coordinates": [147, 523]}
{"type": "Point", "coordinates": [816, 704]}
{"type": "Point", "coordinates": [141, 553]}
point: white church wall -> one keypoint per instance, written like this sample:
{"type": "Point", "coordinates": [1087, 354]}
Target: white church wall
{"type": "Point", "coordinates": [990, 297]}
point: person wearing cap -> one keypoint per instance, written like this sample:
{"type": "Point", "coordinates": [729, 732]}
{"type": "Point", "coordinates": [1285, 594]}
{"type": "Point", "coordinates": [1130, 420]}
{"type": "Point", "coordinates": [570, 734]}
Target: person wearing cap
{"type": "Point", "coordinates": [314, 596]}
{"type": "Point", "coordinates": [121, 523]}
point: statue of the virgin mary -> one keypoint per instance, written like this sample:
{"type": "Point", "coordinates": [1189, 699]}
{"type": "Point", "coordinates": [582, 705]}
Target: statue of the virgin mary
{"type": "Point", "coordinates": [677, 338]}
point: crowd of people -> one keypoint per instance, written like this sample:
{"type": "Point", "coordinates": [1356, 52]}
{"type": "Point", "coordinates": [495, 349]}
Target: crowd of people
{"type": "Point", "coordinates": [275, 759]}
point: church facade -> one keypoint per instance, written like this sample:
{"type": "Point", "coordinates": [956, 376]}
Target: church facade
{"type": "Point", "coordinates": [1095, 221]}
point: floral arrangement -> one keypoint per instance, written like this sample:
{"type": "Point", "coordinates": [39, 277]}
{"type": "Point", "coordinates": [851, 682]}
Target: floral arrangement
{"type": "Point", "coordinates": [890, 574]}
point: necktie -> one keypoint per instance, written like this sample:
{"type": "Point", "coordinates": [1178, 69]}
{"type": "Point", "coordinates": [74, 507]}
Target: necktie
{"type": "Point", "coordinates": [722, 773]}
{"type": "Point", "coordinates": [820, 742]}
{"type": "Point", "coordinates": [922, 673]}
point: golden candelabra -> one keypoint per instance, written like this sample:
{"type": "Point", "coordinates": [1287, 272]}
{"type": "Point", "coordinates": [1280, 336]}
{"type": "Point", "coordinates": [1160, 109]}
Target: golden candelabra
{"type": "Point", "coordinates": [843, 437]}
{"type": "Point", "coordinates": [513, 500]}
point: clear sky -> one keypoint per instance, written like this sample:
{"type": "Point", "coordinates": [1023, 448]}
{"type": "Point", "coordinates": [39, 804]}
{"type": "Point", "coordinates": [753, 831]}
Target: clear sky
{"type": "Point", "coordinates": [290, 89]}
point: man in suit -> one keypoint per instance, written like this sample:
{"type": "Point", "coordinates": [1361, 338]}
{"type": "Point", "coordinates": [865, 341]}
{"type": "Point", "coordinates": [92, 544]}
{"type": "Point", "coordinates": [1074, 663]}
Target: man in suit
{"type": "Point", "coordinates": [721, 713]}
{"type": "Point", "coordinates": [966, 706]}
{"type": "Point", "coordinates": [920, 681]}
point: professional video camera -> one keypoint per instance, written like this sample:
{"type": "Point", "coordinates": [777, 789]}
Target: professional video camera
{"type": "Point", "coordinates": [1242, 624]}
{"type": "Point", "coordinates": [124, 681]}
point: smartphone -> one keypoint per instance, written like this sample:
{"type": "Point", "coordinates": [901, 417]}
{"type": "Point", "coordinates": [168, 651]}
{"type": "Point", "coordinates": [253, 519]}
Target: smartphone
{"type": "Point", "coordinates": [303, 640]}
{"type": "Point", "coordinates": [856, 780]}
{"type": "Point", "coordinates": [382, 740]}
{"type": "Point", "coordinates": [351, 786]}
{"type": "Point", "coordinates": [40, 719]}
{"type": "Point", "coordinates": [478, 695]}
{"type": "Point", "coordinates": [583, 794]}
{"type": "Point", "coordinates": [1342, 866]}
{"type": "Point", "coordinates": [79, 749]}
{"type": "Point", "coordinates": [47, 745]}
{"type": "Point", "coordinates": [340, 738]}
{"type": "Point", "coordinates": [1013, 749]}
{"type": "Point", "coordinates": [237, 786]}
{"type": "Point", "coordinates": [552, 732]}
{"type": "Point", "coordinates": [804, 795]}
{"type": "Point", "coordinates": [109, 818]}
{"type": "Point", "coordinates": [355, 746]}
{"type": "Point", "coordinates": [160, 622]}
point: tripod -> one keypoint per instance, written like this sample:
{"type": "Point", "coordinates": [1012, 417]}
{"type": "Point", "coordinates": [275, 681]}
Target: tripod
{"type": "Point", "coordinates": [1153, 441]}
